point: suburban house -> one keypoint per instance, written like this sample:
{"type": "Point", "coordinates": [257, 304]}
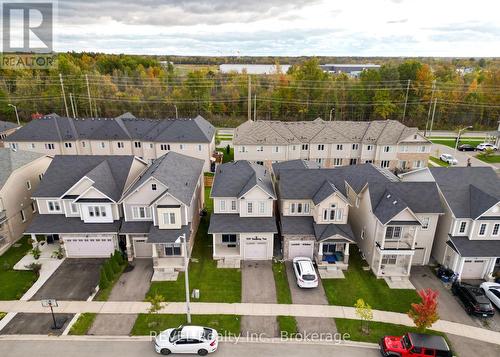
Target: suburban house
{"type": "Point", "coordinates": [6, 128]}
{"type": "Point", "coordinates": [323, 211]}
{"type": "Point", "coordinates": [163, 204]}
{"type": "Point", "coordinates": [385, 143]}
{"type": "Point", "coordinates": [147, 139]}
{"type": "Point", "coordinates": [468, 236]}
{"type": "Point", "coordinates": [243, 223]}
{"type": "Point", "coordinates": [20, 174]}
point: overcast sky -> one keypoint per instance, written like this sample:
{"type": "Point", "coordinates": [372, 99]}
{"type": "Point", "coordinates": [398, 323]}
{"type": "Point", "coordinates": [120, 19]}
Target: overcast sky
{"type": "Point", "coordinates": [281, 27]}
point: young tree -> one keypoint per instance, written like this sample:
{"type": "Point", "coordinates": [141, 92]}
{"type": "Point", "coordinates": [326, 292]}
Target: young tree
{"type": "Point", "coordinates": [365, 313]}
{"type": "Point", "coordinates": [157, 302]}
{"type": "Point", "coordinates": [424, 314]}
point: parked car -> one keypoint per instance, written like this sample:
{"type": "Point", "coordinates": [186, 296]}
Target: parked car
{"type": "Point", "coordinates": [414, 345]}
{"type": "Point", "coordinates": [466, 147]}
{"type": "Point", "coordinates": [187, 339]}
{"type": "Point", "coordinates": [448, 159]}
{"type": "Point", "coordinates": [484, 146]}
{"type": "Point", "coordinates": [305, 272]}
{"type": "Point", "coordinates": [492, 292]}
{"type": "Point", "coordinates": [473, 299]}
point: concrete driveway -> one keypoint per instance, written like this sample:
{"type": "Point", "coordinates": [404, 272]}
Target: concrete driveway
{"type": "Point", "coordinates": [258, 286]}
{"type": "Point", "coordinates": [132, 286]}
{"type": "Point", "coordinates": [309, 297]}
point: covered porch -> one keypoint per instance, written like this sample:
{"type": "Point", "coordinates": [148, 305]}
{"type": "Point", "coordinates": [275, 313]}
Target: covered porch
{"type": "Point", "coordinates": [392, 263]}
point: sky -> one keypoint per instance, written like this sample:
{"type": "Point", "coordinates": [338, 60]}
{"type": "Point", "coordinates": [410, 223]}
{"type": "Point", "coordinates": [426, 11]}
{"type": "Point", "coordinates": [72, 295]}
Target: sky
{"type": "Point", "coordinates": [281, 27]}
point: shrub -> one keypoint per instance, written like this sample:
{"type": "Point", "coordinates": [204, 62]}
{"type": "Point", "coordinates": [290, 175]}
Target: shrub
{"type": "Point", "coordinates": [103, 280]}
{"type": "Point", "coordinates": [108, 270]}
{"type": "Point", "coordinates": [34, 267]}
{"type": "Point", "coordinates": [36, 252]}
{"type": "Point", "coordinates": [115, 266]}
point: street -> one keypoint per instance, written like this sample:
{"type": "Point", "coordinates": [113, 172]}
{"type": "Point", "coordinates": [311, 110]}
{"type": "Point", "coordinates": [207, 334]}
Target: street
{"type": "Point", "coordinates": [140, 348]}
{"type": "Point", "coordinates": [461, 156]}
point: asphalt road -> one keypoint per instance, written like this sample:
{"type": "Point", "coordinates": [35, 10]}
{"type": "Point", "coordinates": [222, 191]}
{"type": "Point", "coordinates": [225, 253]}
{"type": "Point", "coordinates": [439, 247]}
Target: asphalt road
{"type": "Point", "coordinates": [145, 349]}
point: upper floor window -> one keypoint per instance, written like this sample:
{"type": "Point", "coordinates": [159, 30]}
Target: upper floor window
{"type": "Point", "coordinates": [15, 147]}
{"type": "Point", "coordinates": [369, 147]}
{"type": "Point", "coordinates": [262, 207]}
{"type": "Point", "coordinates": [425, 223]}
{"type": "Point", "coordinates": [153, 187]}
{"type": "Point", "coordinates": [321, 147]}
{"type": "Point", "coordinates": [276, 149]}
{"type": "Point", "coordinates": [137, 144]}
{"type": "Point", "coordinates": [250, 207]}
{"type": "Point", "coordinates": [182, 146]}
{"type": "Point", "coordinates": [150, 145]}
{"type": "Point", "coordinates": [299, 208]}
{"type": "Point", "coordinates": [74, 208]}
{"type": "Point", "coordinates": [294, 148]}
{"type": "Point", "coordinates": [53, 206]}
{"type": "Point", "coordinates": [97, 211]}
{"type": "Point", "coordinates": [50, 146]}
{"type": "Point", "coordinates": [164, 147]}
{"type": "Point", "coordinates": [222, 205]}
{"type": "Point", "coordinates": [387, 148]}
{"type": "Point", "coordinates": [32, 145]}
{"type": "Point", "coordinates": [139, 212]}
{"type": "Point", "coordinates": [496, 228]}
{"type": "Point", "coordinates": [169, 218]}
{"type": "Point", "coordinates": [393, 232]}
{"type": "Point", "coordinates": [199, 147]}
{"type": "Point", "coordinates": [260, 148]}
{"type": "Point", "coordinates": [404, 148]}
{"type": "Point", "coordinates": [103, 144]}
{"type": "Point", "coordinates": [68, 145]}
{"type": "Point", "coordinates": [340, 147]}
{"type": "Point", "coordinates": [23, 216]}
{"type": "Point", "coordinates": [305, 146]}
{"type": "Point", "coordinates": [120, 144]}
{"type": "Point", "coordinates": [482, 229]}
{"type": "Point", "coordinates": [243, 149]}
{"type": "Point", "coordinates": [83, 144]}
{"type": "Point", "coordinates": [233, 205]}
{"type": "Point", "coordinates": [355, 146]}
{"type": "Point", "coordinates": [28, 185]}
{"type": "Point", "coordinates": [462, 227]}
{"type": "Point", "coordinates": [423, 148]}
{"type": "Point", "coordinates": [332, 214]}
{"type": "Point", "coordinates": [40, 176]}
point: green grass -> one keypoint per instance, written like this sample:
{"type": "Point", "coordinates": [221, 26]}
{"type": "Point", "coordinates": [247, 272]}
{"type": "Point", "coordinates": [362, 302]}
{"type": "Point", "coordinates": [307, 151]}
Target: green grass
{"type": "Point", "coordinates": [280, 279]}
{"type": "Point", "coordinates": [451, 142]}
{"type": "Point", "coordinates": [215, 285]}
{"type": "Point", "coordinates": [82, 325]}
{"type": "Point", "coordinates": [14, 283]}
{"type": "Point", "coordinates": [208, 174]}
{"type": "Point", "coordinates": [224, 324]}
{"type": "Point", "coordinates": [438, 162]}
{"type": "Point", "coordinates": [2, 315]}
{"type": "Point", "coordinates": [227, 157]}
{"type": "Point", "coordinates": [363, 284]}
{"type": "Point", "coordinates": [492, 159]}
{"type": "Point", "coordinates": [209, 203]}
{"type": "Point", "coordinates": [287, 324]}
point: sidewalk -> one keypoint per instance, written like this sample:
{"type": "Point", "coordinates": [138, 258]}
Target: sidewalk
{"type": "Point", "coordinates": [246, 309]}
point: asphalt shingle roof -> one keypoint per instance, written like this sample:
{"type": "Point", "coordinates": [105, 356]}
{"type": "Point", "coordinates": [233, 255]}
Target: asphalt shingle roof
{"type": "Point", "coordinates": [304, 225]}
{"type": "Point", "coordinates": [157, 235]}
{"type": "Point", "coordinates": [59, 223]}
{"type": "Point", "coordinates": [233, 223]}
{"type": "Point", "coordinates": [7, 125]}
{"type": "Point", "coordinates": [12, 160]}
{"type": "Point", "coordinates": [475, 248]}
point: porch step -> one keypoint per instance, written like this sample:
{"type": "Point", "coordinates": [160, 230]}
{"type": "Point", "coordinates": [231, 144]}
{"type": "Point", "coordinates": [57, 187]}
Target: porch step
{"type": "Point", "coordinates": [399, 283]}
{"type": "Point", "coordinates": [331, 274]}
{"type": "Point", "coordinates": [165, 275]}
{"type": "Point", "coordinates": [229, 263]}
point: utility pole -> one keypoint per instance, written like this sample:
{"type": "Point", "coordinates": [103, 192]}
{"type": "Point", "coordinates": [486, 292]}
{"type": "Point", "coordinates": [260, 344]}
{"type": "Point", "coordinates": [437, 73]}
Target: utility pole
{"type": "Point", "coordinates": [254, 107]}
{"type": "Point", "coordinates": [72, 105]}
{"type": "Point", "coordinates": [406, 100]}
{"type": "Point", "coordinates": [430, 107]}
{"type": "Point", "coordinates": [64, 95]}
{"type": "Point", "coordinates": [88, 93]}
{"type": "Point", "coordinates": [433, 113]}
{"type": "Point", "coordinates": [249, 97]}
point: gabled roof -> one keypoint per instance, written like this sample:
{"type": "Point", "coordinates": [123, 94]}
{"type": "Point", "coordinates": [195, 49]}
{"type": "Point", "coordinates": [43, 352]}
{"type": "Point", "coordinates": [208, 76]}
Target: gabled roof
{"type": "Point", "coordinates": [326, 190]}
{"type": "Point", "coordinates": [7, 125]}
{"type": "Point", "coordinates": [325, 231]}
{"type": "Point", "coordinates": [235, 179]}
{"type": "Point", "coordinates": [475, 248]}
{"type": "Point", "coordinates": [12, 160]}
{"type": "Point", "coordinates": [109, 174]}
{"type": "Point", "coordinates": [469, 191]}
{"type": "Point", "coordinates": [294, 164]}
{"type": "Point", "coordinates": [179, 173]}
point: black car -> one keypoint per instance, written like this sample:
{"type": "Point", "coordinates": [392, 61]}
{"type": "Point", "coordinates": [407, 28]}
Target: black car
{"type": "Point", "coordinates": [466, 147]}
{"type": "Point", "coordinates": [473, 299]}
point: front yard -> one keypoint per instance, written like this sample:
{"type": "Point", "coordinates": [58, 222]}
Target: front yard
{"type": "Point", "coordinates": [14, 283]}
{"type": "Point", "coordinates": [490, 159]}
{"type": "Point", "coordinates": [438, 162]}
{"type": "Point", "coordinates": [363, 284]}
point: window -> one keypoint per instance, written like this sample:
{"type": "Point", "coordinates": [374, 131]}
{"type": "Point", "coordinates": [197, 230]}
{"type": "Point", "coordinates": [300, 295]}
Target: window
{"type": "Point", "coordinates": [169, 218]}
{"type": "Point", "coordinates": [321, 147]}
{"type": "Point", "coordinates": [482, 229]}
{"type": "Point", "coordinates": [32, 145]}
{"type": "Point", "coordinates": [83, 144]}
{"type": "Point", "coordinates": [404, 148]}
{"type": "Point", "coordinates": [260, 148]}
{"type": "Point", "coordinates": [423, 148]}
{"type": "Point", "coordinates": [68, 145]}
{"type": "Point", "coordinates": [425, 223]}
{"type": "Point", "coordinates": [292, 208]}
{"type": "Point", "coordinates": [369, 147]}
{"type": "Point", "coordinates": [103, 144]}
{"type": "Point", "coordinates": [199, 147]}
{"type": "Point", "coordinates": [250, 207]}
{"type": "Point", "coordinates": [40, 177]}
{"type": "Point", "coordinates": [120, 144]}
{"type": "Point", "coordinates": [33, 207]}
{"type": "Point", "coordinates": [337, 162]}
{"type": "Point", "coordinates": [139, 212]}
{"type": "Point", "coordinates": [384, 164]}
{"type": "Point", "coordinates": [294, 148]}
{"type": "Point", "coordinates": [306, 207]}
{"type": "Point", "coordinates": [14, 146]}
{"type": "Point", "coordinates": [228, 238]}
{"type": "Point", "coordinates": [137, 144]}
{"type": "Point", "coordinates": [153, 187]}
{"type": "Point", "coordinates": [97, 211]}
{"type": "Point", "coordinates": [355, 146]}
{"type": "Point", "coordinates": [329, 248]}
{"type": "Point", "coordinates": [150, 145]}
{"type": "Point", "coordinates": [363, 233]}
{"type": "Point", "coordinates": [319, 161]}
{"type": "Point", "coordinates": [368, 161]}
{"type": "Point", "coordinates": [389, 259]}
{"type": "Point", "coordinates": [164, 147]}
{"type": "Point", "coordinates": [73, 207]}
{"type": "Point", "coordinates": [393, 233]}
{"type": "Point", "coordinates": [53, 206]}
{"type": "Point", "coordinates": [332, 214]}
{"type": "Point", "coordinates": [463, 226]}
{"type": "Point", "coordinates": [173, 249]}
{"type": "Point", "coordinates": [222, 205]}
{"type": "Point", "coordinates": [243, 149]}
{"type": "Point", "coordinates": [49, 146]}
{"type": "Point", "coordinates": [262, 207]}
{"type": "Point", "coordinates": [276, 149]}
{"type": "Point", "coordinates": [496, 228]}
{"type": "Point", "coordinates": [28, 185]}
{"type": "Point", "coordinates": [305, 146]}
{"type": "Point", "coordinates": [353, 161]}
{"type": "Point", "coordinates": [261, 163]}
{"type": "Point", "coordinates": [23, 216]}
{"type": "Point", "coordinates": [182, 146]}
{"type": "Point", "coordinates": [418, 164]}
{"type": "Point", "coordinates": [387, 148]}
{"type": "Point", "coordinates": [340, 147]}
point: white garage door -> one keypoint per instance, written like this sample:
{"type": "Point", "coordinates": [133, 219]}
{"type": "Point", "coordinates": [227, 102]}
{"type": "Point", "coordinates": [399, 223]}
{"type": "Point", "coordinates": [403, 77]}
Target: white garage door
{"type": "Point", "coordinates": [88, 247]}
{"type": "Point", "coordinates": [473, 269]}
{"type": "Point", "coordinates": [418, 257]}
{"type": "Point", "coordinates": [297, 248]}
{"type": "Point", "coordinates": [255, 250]}
{"type": "Point", "coordinates": [142, 249]}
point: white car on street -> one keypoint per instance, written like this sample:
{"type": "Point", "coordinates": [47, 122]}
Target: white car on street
{"type": "Point", "coordinates": [492, 291]}
{"type": "Point", "coordinates": [305, 272]}
{"type": "Point", "coordinates": [484, 146]}
{"type": "Point", "coordinates": [187, 339]}
{"type": "Point", "coordinates": [448, 159]}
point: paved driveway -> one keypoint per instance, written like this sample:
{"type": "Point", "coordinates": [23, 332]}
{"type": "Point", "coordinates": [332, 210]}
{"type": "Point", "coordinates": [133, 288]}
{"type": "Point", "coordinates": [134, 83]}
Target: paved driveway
{"type": "Point", "coordinates": [309, 297]}
{"type": "Point", "coordinates": [258, 286]}
{"type": "Point", "coordinates": [461, 156]}
{"type": "Point", "coordinates": [132, 286]}
{"type": "Point", "coordinates": [35, 324]}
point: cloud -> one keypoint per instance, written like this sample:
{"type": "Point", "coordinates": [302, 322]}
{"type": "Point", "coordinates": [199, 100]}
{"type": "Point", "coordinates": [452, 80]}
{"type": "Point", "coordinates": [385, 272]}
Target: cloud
{"type": "Point", "coordinates": [402, 21]}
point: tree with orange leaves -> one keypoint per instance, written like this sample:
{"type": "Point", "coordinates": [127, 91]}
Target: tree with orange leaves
{"type": "Point", "coordinates": [424, 314]}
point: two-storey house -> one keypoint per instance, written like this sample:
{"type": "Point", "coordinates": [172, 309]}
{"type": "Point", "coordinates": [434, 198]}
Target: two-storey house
{"type": "Point", "coordinates": [468, 237]}
{"type": "Point", "coordinates": [6, 128]}
{"type": "Point", "coordinates": [163, 205]}
{"type": "Point", "coordinates": [147, 139]}
{"type": "Point", "coordinates": [20, 174]}
{"type": "Point", "coordinates": [243, 223]}
{"type": "Point", "coordinates": [385, 143]}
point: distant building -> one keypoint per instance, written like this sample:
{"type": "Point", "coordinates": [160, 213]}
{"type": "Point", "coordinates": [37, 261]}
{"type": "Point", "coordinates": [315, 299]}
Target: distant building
{"type": "Point", "coordinates": [253, 68]}
{"type": "Point", "coordinates": [6, 128]}
{"type": "Point", "coordinates": [353, 70]}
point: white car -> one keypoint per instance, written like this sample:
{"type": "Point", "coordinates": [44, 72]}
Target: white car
{"type": "Point", "coordinates": [187, 339]}
{"type": "Point", "coordinates": [492, 291]}
{"type": "Point", "coordinates": [484, 146]}
{"type": "Point", "coordinates": [448, 159]}
{"type": "Point", "coordinates": [305, 272]}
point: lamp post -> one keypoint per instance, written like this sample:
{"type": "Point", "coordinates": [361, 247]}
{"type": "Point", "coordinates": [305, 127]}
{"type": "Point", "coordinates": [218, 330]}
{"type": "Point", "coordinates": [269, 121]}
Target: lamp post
{"type": "Point", "coordinates": [332, 110]}
{"type": "Point", "coordinates": [182, 239]}
{"type": "Point", "coordinates": [176, 112]}
{"type": "Point", "coordinates": [17, 115]}
{"type": "Point", "coordinates": [459, 134]}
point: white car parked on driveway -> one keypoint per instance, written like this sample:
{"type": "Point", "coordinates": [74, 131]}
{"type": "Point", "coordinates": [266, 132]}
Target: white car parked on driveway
{"type": "Point", "coordinates": [448, 159]}
{"type": "Point", "coordinates": [492, 291]}
{"type": "Point", "coordinates": [484, 146]}
{"type": "Point", "coordinates": [305, 272]}
{"type": "Point", "coordinates": [187, 339]}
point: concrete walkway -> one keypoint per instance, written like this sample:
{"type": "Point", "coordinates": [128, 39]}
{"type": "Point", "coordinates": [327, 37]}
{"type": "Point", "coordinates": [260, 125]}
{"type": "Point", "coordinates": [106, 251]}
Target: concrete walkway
{"type": "Point", "coordinates": [137, 307]}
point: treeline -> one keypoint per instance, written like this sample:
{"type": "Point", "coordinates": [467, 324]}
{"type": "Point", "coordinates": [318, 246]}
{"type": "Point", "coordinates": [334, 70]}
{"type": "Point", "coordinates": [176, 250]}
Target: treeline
{"type": "Point", "coordinates": [456, 92]}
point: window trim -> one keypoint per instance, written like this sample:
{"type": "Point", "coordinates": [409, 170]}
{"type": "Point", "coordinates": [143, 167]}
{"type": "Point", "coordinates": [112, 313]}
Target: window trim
{"type": "Point", "coordinates": [54, 204]}
{"type": "Point", "coordinates": [426, 226]}
{"type": "Point", "coordinates": [465, 223]}
{"type": "Point", "coordinates": [485, 225]}
{"type": "Point", "coordinates": [497, 227]}
{"type": "Point", "coordinates": [136, 212]}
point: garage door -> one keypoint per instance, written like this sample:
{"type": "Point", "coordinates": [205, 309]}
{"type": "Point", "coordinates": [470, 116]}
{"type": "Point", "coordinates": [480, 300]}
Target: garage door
{"type": "Point", "coordinates": [300, 249]}
{"type": "Point", "coordinates": [473, 269]}
{"type": "Point", "coordinates": [418, 257]}
{"type": "Point", "coordinates": [142, 249]}
{"type": "Point", "coordinates": [255, 250]}
{"type": "Point", "coordinates": [88, 247]}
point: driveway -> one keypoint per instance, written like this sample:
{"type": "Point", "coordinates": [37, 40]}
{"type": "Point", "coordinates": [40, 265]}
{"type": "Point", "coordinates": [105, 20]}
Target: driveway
{"type": "Point", "coordinates": [132, 286]}
{"type": "Point", "coordinates": [258, 286]}
{"type": "Point", "coordinates": [35, 324]}
{"type": "Point", "coordinates": [461, 156]}
{"type": "Point", "coordinates": [309, 297]}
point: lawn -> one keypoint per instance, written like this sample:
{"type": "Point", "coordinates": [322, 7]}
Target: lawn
{"type": "Point", "coordinates": [438, 162]}
{"type": "Point", "coordinates": [363, 284]}
{"type": "Point", "coordinates": [82, 325]}
{"type": "Point", "coordinates": [215, 285]}
{"type": "Point", "coordinates": [451, 141]}
{"type": "Point", "coordinates": [224, 324]}
{"type": "Point", "coordinates": [287, 324]}
{"type": "Point", "coordinates": [280, 279]}
{"type": "Point", "coordinates": [492, 159]}
{"type": "Point", "coordinates": [15, 283]}
{"type": "Point", "coordinates": [227, 157]}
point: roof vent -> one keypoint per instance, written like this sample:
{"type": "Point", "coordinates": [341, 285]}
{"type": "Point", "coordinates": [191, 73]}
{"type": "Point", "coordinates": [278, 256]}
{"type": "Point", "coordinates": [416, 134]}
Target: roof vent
{"type": "Point", "coordinates": [388, 196]}
{"type": "Point", "coordinates": [394, 202]}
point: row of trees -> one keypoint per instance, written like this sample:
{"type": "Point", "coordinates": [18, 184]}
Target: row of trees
{"type": "Point", "coordinates": [402, 90]}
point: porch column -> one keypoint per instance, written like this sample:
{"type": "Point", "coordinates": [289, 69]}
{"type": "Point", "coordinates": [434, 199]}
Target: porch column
{"type": "Point", "coordinates": [319, 253]}
{"type": "Point", "coordinates": [409, 265]}
{"type": "Point", "coordinates": [130, 255]}
{"type": "Point", "coordinates": [377, 273]}
{"type": "Point", "coordinates": [213, 245]}
{"type": "Point", "coordinates": [460, 267]}
{"type": "Point", "coordinates": [490, 268]}
{"type": "Point", "coordinates": [346, 254]}
{"type": "Point", "coordinates": [155, 251]}
{"type": "Point", "coordinates": [34, 241]}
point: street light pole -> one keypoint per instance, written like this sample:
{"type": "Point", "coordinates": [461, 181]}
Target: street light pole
{"type": "Point", "coordinates": [17, 115]}
{"type": "Point", "coordinates": [459, 134]}
{"type": "Point", "coordinates": [332, 110]}
{"type": "Point", "coordinates": [176, 112]}
{"type": "Point", "coordinates": [182, 238]}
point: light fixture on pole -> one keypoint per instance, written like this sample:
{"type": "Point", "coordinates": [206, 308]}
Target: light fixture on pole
{"type": "Point", "coordinates": [332, 110]}
{"type": "Point", "coordinates": [17, 115]}
{"type": "Point", "coordinates": [459, 134]}
{"type": "Point", "coordinates": [182, 239]}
